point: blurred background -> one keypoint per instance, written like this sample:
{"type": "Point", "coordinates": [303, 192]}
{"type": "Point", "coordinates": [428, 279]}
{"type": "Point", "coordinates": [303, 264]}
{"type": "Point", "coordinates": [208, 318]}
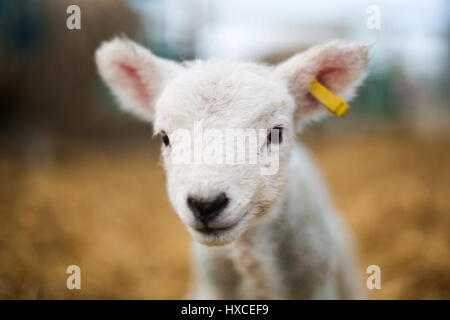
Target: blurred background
{"type": "Point", "coordinates": [80, 182]}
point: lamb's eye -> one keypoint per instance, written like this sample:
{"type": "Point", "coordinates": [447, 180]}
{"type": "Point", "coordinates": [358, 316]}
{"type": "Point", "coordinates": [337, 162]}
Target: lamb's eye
{"type": "Point", "coordinates": [275, 130]}
{"type": "Point", "coordinates": [165, 138]}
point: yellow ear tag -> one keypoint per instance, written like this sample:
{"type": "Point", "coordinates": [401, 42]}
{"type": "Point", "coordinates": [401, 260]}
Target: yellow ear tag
{"type": "Point", "coordinates": [334, 103]}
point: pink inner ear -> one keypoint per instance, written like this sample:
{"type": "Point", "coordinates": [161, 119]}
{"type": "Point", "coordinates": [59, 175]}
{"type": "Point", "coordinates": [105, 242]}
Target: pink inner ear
{"type": "Point", "coordinates": [334, 72]}
{"type": "Point", "coordinates": [133, 76]}
{"type": "Point", "coordinates": [332, 77]}
{"type": "Point", "coordinates": [325, 73]}
{"type": "Point", "coordinates": [326, 76]}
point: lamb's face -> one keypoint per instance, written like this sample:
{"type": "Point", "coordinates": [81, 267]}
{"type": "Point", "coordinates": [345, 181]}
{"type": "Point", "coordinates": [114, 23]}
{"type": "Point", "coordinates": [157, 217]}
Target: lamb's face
{"type": "Point", "coordinates": [217, 193]}
{"type": "Point", "coordinates": [202, 116]}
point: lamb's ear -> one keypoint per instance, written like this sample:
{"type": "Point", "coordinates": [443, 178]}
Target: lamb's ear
{"type": "Point", "coordinates": [134, 74]}
{"type": "Point", "coordinates": [340, 66]}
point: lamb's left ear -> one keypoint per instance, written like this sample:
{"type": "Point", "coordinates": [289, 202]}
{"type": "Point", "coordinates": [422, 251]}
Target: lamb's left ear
{"type": "Point", "coordinates": [134, 74]}
{"type": "Point", "coordinates": [340, 66]}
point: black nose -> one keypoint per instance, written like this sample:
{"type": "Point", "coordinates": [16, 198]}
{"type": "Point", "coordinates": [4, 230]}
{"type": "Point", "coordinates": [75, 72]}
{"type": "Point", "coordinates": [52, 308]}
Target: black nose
{"type": "Point", "coordinates": [207, 210]}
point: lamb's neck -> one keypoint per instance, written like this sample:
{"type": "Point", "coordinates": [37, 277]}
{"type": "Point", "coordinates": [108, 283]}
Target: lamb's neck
{"type": "Point", "coordinates": [253, 255]}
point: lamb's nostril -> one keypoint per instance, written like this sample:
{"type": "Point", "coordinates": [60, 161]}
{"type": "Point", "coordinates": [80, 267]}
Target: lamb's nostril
{"type": "Point", "coordinates": [207, 210]}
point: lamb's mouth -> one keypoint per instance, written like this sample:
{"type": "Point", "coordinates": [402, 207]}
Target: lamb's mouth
{"type": "Point", "coordinates": [216, 231]}
{"type": "Point", "coordinates": [208, 231]}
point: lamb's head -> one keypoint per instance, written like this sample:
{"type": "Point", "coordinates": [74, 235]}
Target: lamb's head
{"type": "Point", "coordinates": [227, 127]}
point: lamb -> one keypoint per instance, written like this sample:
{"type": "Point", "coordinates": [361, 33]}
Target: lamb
{"type": "Point", "coordinates": [257, 236]}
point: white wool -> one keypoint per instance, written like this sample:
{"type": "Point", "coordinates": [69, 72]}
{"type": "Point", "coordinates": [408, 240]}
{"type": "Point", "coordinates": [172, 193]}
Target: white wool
{"type": "Point", "coordinates": [285, 240]}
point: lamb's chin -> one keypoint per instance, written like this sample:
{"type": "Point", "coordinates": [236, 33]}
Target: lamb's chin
{"type": "Point", "coordinates": [212, 241]}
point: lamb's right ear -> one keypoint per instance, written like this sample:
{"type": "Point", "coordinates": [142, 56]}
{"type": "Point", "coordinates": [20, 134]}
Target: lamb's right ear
{"type": "Point", "coordinates": [134, 74]}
